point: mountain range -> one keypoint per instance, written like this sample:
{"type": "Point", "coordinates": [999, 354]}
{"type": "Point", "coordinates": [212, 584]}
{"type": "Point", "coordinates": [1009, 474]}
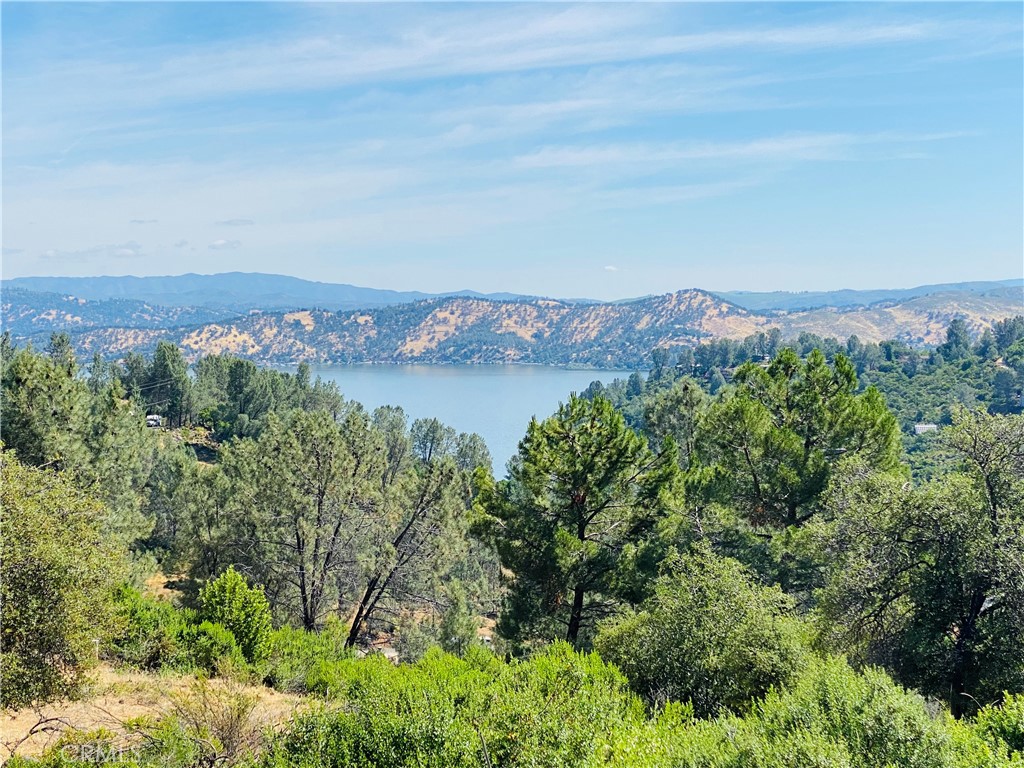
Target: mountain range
{"type": "Point", "coordinates": [245, 291]}
{"type": "Point", "coordinates": [281, 320]}
{"type": "Point", "coordinates": [238, 291]}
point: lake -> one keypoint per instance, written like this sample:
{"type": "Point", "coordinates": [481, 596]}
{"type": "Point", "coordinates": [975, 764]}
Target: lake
{"type": "Point", "coordinates": [495, 401]}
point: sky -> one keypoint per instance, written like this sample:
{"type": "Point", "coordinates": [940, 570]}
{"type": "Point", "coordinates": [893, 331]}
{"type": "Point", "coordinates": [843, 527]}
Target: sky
{"type": "Point", "coordinates": [600, 150]}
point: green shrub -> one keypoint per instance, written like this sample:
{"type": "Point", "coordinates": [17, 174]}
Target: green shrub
{"type": "Point", "coordinates": [549, 710]}
{"type": "Point", "coordinates": [710, 636]}
{"type": "Point", "coordinates": [208, 645]}
{"type": "Point", "coordinates": [149, 630]}
{"type": "Point", "coordinates": [154, 634]}
{"type": "Point", "coordinates": [1004, 723]}
{"type": "Point", "coordinates": [230, 601]}
{"type": "Point", "coordinates": [296, 652]}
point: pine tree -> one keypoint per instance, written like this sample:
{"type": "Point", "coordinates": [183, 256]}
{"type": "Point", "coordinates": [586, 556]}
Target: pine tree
{"type": "Point", "coordinates": [582, 489]}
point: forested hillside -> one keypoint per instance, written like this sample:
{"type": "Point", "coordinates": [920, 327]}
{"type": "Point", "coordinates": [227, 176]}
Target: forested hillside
{"type": "Point", "coordinates": [744, 558]}
{"type": "Point", "coordinates": [475, 330]}
{"type": "Point", "coordinates": [29, 315]}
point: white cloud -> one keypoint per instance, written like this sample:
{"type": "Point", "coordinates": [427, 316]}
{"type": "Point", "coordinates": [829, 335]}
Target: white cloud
{"type": "Point", "coordinates": [424, 46]}
{"type": "Point", "coordinates": [611, 268]}
{"type": "Point", "coordinates": [129, 250]}
{"type": "Point", "coordinates": [224, 245]}
{"type": "Point", "coordinates": [235, 223]}
{"type": "Point", "coordinates": [794, 147]}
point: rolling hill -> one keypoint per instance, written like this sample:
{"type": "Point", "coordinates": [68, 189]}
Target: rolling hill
{"type": "Point", "coordinates": [544, 331]}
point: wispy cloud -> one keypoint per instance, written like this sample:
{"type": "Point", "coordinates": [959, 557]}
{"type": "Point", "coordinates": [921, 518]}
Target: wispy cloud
{"type": "Point", "coordinates": [128, 250]}
{"type": "Point", "coordinates": [806, 147]}
{"type": "Point", "coordinates": [362, 135]}
{"type": "Point", "coordinates": [409, 46]}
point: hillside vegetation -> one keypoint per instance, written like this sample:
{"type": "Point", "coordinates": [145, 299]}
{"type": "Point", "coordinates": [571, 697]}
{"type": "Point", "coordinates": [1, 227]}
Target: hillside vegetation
{"type": "Point", "coordinates": [744, 558]}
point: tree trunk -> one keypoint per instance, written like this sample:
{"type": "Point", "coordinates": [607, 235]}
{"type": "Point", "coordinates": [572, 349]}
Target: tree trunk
{"type": "Point", "coordinates": [964, 657]}
{"type": "Point", "coordinates": [353, 633]}
{"type": "Point", "coordinates": [576, 617]}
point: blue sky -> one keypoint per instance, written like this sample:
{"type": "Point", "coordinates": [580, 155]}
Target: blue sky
{"type": "Point", "coordinates": [599, 150]}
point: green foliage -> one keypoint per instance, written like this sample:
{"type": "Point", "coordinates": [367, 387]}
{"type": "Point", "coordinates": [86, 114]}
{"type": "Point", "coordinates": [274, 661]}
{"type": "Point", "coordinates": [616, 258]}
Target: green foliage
{"type": "Point", "coordinates": [843, 718]}
{"type": "Point", "coordinates": [581, 489]}
{"type": "Point", "coordinates": [927, 581]}
{"type": "Point", "coordinates": [155, 635]}
{"type": "Point", "coordinates": [709, 636]}
{"type": "Point", "coordinates": [563, 709]}
{"type": "Point", "coordinates": [208, 645]}
{"type": "Point", "coordinates": [149, 632]}
{"type": "Point", "coordinates": [52, 419]}
{"type": "Point", "coordinates": [675, 413]}
{"type": "Point", "coordinates": [549, 710]}
{"type": "Point", "coordinates": [297, 653]}
{"type": "Point", "coordinates": [57, 577]}
{"type": "Point", "coordinates": [168, 388]}
{"type": "Point", "coordinates": [304, 486]}
{"type": "Point", "coordinates": [414, 637]}
{"type": "Point", "coordinates": [44, 407]}
{"type": "Point", "coordinates": [458, 626]}
{"type": "Point", "coordinates": [777, 436]}
{"type": "Point", "coordinates": [1004, 723]}
{"type": "Point", "coordinates": [243, 610]}
{"type": "Point", "coordinates": [560, 708]}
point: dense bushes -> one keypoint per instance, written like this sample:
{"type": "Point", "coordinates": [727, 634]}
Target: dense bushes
{"type": "Point", "coordinates": [551, 710]}
{"type": "Point", "coordinates": [231, 627]}
{"type": "Point", "coordinates": [149, 631]}
{"type": "Point", "coordinates": [558, 708]}
{"type": "Point", "coordinates": [242, 610]}
{"type": "Point", "coordinates": [299, 658]}
{"type": "Point", "coordinates": [562, 708]}
{"type": "Point", "coordinates": [710, 636]}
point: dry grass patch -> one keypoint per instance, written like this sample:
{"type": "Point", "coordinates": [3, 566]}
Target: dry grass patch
{"type": "Point", "coordinates": [118, 698]}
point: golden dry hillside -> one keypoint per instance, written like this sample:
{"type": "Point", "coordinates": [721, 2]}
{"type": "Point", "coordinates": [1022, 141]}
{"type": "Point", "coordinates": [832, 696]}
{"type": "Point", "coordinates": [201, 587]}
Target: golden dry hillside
{"type": "Point", "coordinates": [475, 330]}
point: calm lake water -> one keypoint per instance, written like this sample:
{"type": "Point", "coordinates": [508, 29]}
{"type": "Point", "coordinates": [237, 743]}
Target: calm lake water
{"type": "Point", "coordinates": [495, 401]}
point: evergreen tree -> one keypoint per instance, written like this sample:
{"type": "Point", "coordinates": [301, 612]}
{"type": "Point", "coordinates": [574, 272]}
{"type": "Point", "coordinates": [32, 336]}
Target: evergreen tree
{"type": "Point", "coordinates": [582, 489]}
{"type": "Point", "coordinates": [306, 491]}
{"type": "Point", "coordinates": [45, 410]}
{"type": "Point", "coordinates": [168, 389]}
{"type": "Point", "coordinates": [675, 413]}
{"type": "Point", "coordinates": [776, 437]}
{"type": "Point", "coordinates": [958, 341]}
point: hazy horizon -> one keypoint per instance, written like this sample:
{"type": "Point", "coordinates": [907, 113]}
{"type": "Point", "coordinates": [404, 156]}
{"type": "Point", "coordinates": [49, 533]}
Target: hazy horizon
{"type": "Point", "coordinates": [601, 151]}
{"type": "Point", "coordinates": [710, 289]}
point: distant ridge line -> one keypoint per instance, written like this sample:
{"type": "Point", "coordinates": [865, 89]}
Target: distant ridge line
{"type": "Point", "coordinates": [245, 291]}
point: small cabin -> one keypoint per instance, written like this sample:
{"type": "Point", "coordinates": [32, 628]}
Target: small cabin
{"type": "Point", "coordinates": [154, 420]}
